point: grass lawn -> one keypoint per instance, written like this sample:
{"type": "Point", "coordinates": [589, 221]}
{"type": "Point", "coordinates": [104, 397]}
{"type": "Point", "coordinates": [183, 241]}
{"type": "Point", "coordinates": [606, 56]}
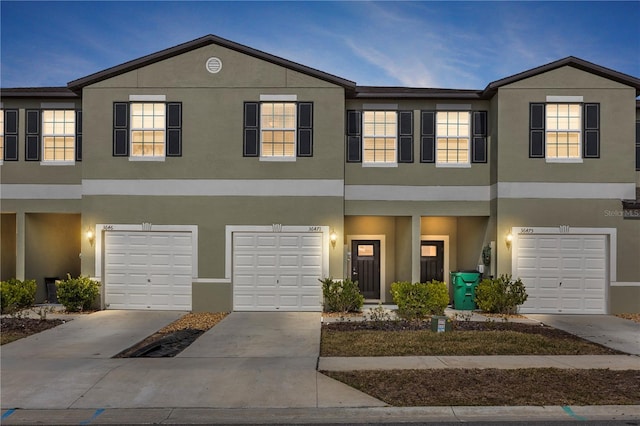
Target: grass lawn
{"type": "Point", "coordinates": [470, 338]}
{"type": "Point", "coordinates": [476, 387]}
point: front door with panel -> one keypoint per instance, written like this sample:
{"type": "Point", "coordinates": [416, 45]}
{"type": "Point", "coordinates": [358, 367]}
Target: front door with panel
{"type": "Point", "coordinates": [365, 267]}
{"type": "Point", "coordinates": [431, 261]}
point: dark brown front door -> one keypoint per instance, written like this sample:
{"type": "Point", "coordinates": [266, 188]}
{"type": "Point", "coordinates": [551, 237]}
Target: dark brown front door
{"type": "Point", "coordinates": [365, 267]}
{"type": "Point", "coordinates": [431, 261]}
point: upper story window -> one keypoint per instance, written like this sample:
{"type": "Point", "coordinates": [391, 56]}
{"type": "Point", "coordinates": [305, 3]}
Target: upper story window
{"type": "Point", "coordinates": [379, 137]}
{"type": "Point", "coordinates": [452, 137]}
{"type": "Point", "coordinates": [564, 129]}
{"type": "Point", "coordinates": [564, 126]}
{"type": "Point", "coordinates": [278, 130]}
{"type": "Point", "coordinates": [58, 135]}
{"type": "Point", "coordinates": [148, 129]}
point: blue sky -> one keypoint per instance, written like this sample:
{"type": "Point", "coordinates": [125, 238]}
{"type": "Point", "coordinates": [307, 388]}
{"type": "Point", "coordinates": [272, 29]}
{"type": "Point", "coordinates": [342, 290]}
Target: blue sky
{"type": "Point", "coordinates": [461, 45]}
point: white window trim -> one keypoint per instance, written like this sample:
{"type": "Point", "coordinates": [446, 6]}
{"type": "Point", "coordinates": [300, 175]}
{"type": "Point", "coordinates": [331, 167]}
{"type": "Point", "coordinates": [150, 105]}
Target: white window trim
{"type": "Point", "coordinates": [465, 165]}
{"type": "Point", "coordinates": [57, 107]}
{"type": "Point", "coordinates": [393, 163]}
{"type": "Point", "coordinates": [146, 99]}
{"type": "Point", "coordinates": [292, 99]}
{"type": "Point", "coordinates": [577, 100]}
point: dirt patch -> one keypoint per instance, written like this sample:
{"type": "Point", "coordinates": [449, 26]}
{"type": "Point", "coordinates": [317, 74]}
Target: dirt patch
{"type": "Point", "coordinates": [12, 329]}
{"type": "Point", "coordinates": [494, 387]}
{"type": "Point", "coordinates": [175, 337]}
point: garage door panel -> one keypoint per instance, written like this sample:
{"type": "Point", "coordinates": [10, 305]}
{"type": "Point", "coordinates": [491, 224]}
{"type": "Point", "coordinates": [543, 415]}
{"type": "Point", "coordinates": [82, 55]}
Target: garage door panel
{"type": "Point", "coordinates": [579, 262]}
{"type": "Point", "coordinates": [283, 265]}
{"type": "Point", "coordinates": [148, 270]}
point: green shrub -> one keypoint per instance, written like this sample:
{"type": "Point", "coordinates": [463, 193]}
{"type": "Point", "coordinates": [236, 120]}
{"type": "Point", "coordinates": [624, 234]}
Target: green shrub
{"type": "Point", "coordinates": [419, 300]}
{"type": "Point", "coordinates": [77, 294]}
{"type": "Point", "coordinates": [500, 295]}
{"type": "Point", "coordinates": [16, 295]}
{"type": "Point", "coordinates": [341, 296]}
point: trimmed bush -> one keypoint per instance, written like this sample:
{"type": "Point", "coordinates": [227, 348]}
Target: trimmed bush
{"type": "Point", "coordinates": [16, 295]}
{"type": "Point", "coordinates": [341, 296]}
{"type": "Point", "coordinates": [500, 295]}
{"type": "Point", "coordinates": [77, 294]}
{"type": "Point", "coordinates": [418, 300]}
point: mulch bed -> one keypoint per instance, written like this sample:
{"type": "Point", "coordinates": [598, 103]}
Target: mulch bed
{"type": "Point", "coordinates": [494, 387]}
{"type": "Point", "coordinates": [12, 328]}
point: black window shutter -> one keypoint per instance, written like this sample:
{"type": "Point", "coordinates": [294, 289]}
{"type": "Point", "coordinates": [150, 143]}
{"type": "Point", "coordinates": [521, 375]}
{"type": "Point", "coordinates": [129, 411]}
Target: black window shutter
{"type": "Point", "coordinates": [120, 129]}
{"type": "Point", "coordinates": [305, 129]}
{"type": "Point", "coordinates": [32, 137]}
{"type": "Point", "coordinates": [79, 135]}
{"type": "Point", "coordinates": [536, 130]}
{"type": "Point", "coordinates": [405, 136]}
{"type": "Point", "coordinates": [174, 129]}
{"type": "Point", "coordinates": [251, 129]}
{"type": "Point", "coordinates": [11, 135]}
{"type": "Point", "coordinates": [479, 137]}
{"type": "Point", "coordinates": [354, 136]}
{"type": "Point", "coordinates": [428, 137]}
{"type": "Point", "coordinates": [591, 146]}
{"type": "Point", "coordinates": [637, 145]}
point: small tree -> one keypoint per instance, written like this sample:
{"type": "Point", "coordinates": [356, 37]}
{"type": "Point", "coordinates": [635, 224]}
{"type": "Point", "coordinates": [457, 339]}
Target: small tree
{"type": "Point", "coordinates": [77, 294]}
{"type": "Point", "coordinates": [501, 295]}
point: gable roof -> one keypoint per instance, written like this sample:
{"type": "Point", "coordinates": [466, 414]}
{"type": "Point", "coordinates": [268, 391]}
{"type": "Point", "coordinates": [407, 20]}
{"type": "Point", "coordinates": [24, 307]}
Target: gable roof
{"type": "Point", "coordinates": [78, 84]}
{"type": "Point", "coordinates": [570, 61]}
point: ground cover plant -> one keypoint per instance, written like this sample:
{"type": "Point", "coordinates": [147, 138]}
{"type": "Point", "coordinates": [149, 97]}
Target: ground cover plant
{"type": "Point", "coordinates": [415, 338]}
{"type": "Point", "coordinates": [493, 387]}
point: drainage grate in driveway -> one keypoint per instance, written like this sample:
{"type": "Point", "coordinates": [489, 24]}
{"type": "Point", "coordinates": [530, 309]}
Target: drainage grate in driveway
{"type": "Point", "coordinates": [167, 345]}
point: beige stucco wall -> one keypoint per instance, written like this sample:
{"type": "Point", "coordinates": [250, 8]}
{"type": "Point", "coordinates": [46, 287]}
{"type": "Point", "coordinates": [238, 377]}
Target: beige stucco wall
{"type": "Point", "coordinates": [52, 248]}
{"type": "Point", "coordinates": [7, 246]}
{"type": "Point", "coordinates": [617, 129]}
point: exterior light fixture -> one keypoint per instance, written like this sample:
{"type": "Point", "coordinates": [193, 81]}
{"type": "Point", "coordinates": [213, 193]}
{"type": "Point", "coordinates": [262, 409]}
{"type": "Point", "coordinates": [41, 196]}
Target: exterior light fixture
{"type": "Point", "coordinates": [91, 236]}
{"type": "Point", "coordinates": [508, 239]}
{"type": "Point", "coordinates": [333, 237]}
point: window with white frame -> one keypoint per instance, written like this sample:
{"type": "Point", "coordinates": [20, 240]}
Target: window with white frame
{"type": "Point", "coordinates": [379, 137]}
{"type": "Point", "coordinates": [58, 135]}
{"type": "Point", "coordinates": [563, 127]}
{"type": "Point", "coordinates": [148, 129]}
{"type": "Point", "coordinates": [278, 129]}
{"type": "Point", "coordinates": [452, 137]}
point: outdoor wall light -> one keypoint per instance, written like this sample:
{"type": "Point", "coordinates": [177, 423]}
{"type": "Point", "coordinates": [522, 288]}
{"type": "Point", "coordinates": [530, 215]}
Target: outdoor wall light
{"type": "Point", "coordinates": [90, 236]}
{"type": "Point", "coordinates": [508, 239]}
{"type": "Point", "coordinates": [333, 237]}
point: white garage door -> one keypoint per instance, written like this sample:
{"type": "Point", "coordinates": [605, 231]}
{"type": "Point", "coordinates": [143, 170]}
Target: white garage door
{"type": "Point", "coordinates": [277, 271]}
{"type": "Point", "coordinates": [148, 270]}
{"type": "Point", "coordinates": [563, 273]}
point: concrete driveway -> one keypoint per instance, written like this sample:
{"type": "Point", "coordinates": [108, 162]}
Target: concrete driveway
{"type": "Point", "coordinates": [249, 360]}
{"type": "Point", "coordinates": [607, 330]}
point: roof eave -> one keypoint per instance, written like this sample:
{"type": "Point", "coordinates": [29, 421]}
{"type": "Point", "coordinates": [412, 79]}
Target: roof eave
{"type": "Point", "coordinates": [78, 84]}
{"type": "Point", "coordinates": [571, 61]}
{"type": "Point", "coordinates": [39, 92]}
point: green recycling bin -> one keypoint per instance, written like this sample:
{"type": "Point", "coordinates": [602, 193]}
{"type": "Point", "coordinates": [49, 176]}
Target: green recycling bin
{"type": "Point", "coordinates": [464, 289]}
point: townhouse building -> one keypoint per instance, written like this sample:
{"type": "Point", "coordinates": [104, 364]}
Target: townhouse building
{"type": "Point", "coordinates": [211, 176]}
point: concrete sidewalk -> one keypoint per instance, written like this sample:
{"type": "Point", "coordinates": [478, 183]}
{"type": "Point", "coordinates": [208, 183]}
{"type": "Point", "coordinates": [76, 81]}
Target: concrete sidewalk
{"type": "Point", "coordinates": [250, 368]}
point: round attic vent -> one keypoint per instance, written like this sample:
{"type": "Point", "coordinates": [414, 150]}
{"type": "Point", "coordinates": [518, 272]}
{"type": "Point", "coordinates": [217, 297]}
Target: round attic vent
{"type": "Point", "coordinates": [214, 65]}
